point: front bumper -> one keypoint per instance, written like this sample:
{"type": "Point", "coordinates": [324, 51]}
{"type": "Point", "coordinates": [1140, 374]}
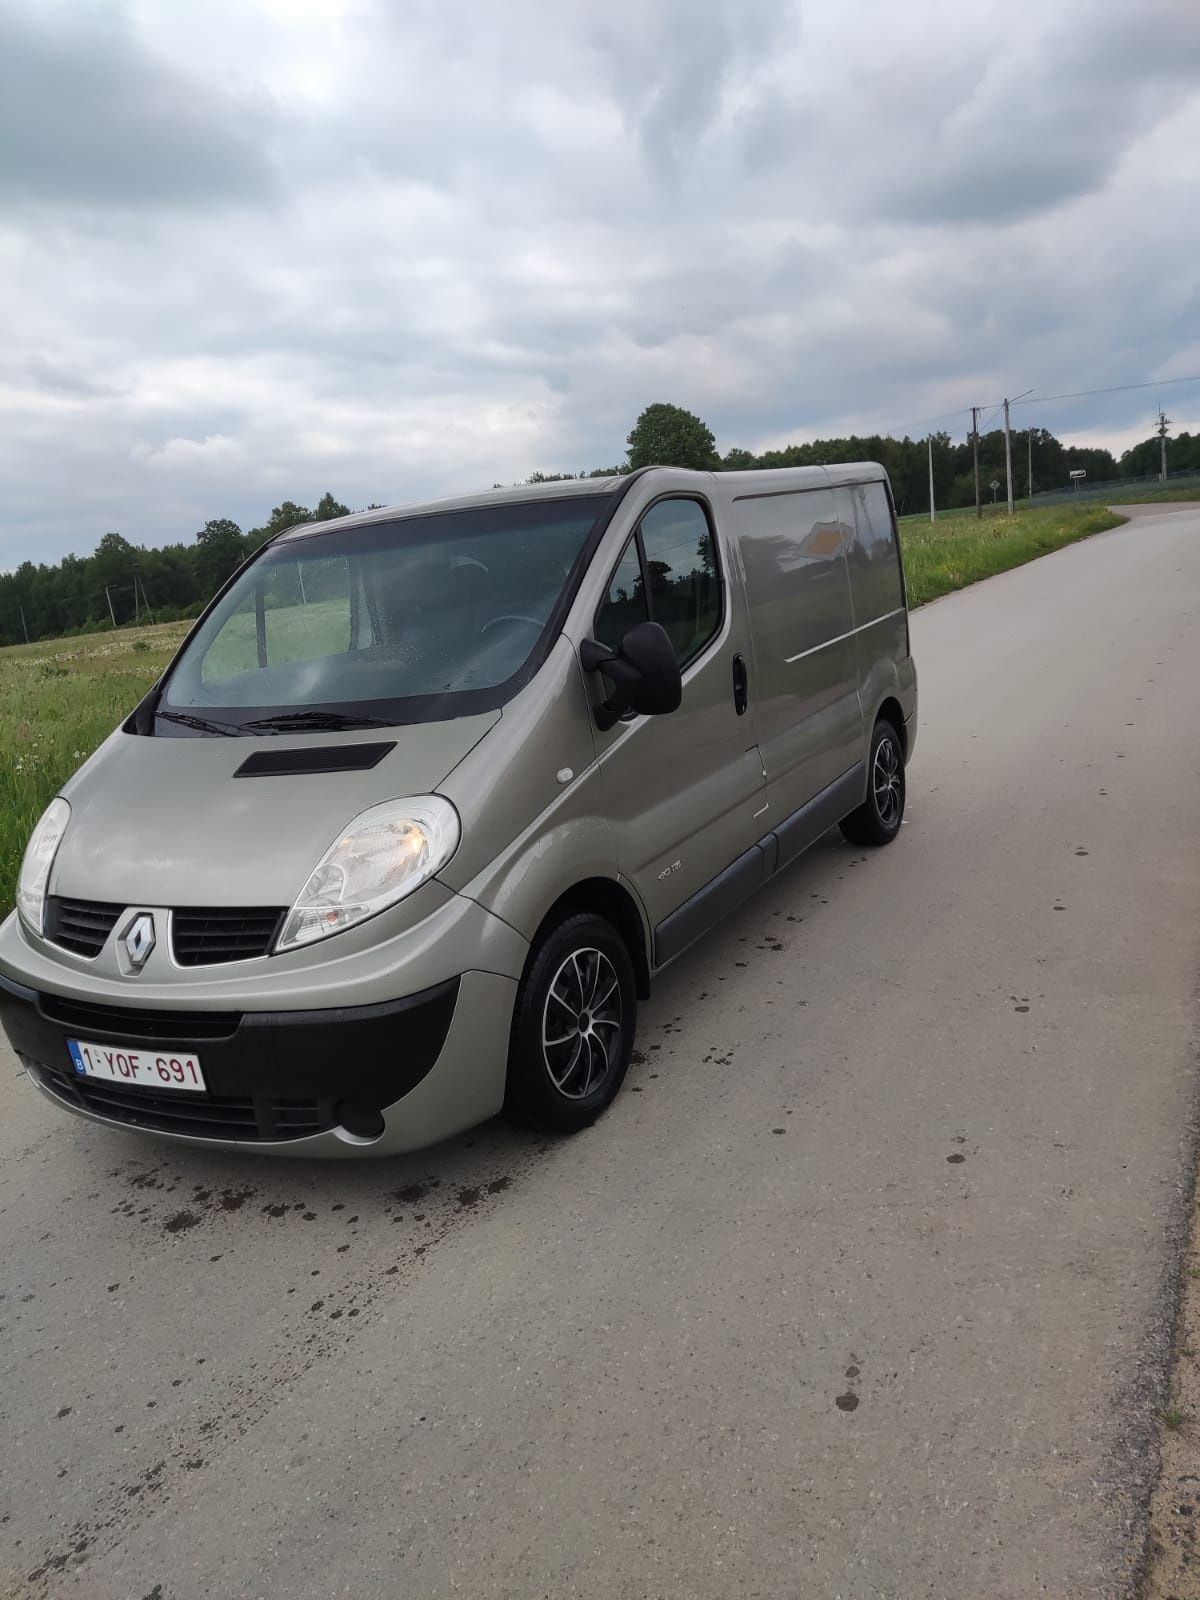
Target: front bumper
{"type": "Point", "coordinates": [406, 1020]}
{"type": "Point", "coordinates": [382, 1078]}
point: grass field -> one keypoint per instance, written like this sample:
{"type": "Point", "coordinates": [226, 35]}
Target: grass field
{"type": "Point", "coordinates": [60, 699]}
{"type": "Point", "coordinates": [960, 548]}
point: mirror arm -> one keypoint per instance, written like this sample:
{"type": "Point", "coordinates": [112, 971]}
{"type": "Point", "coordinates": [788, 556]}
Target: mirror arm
{"type": "Point", "coordinates": [621, 674]}
{"type": "Point", "coordinates": [593, 655]}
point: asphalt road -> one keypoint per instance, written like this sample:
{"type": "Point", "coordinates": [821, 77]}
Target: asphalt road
{"type": "Point", "coordinates": [863, 1288]}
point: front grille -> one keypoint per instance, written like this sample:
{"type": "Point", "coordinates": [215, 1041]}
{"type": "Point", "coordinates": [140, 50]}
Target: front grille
{"type": "Point", "coordinates": [201, 938]}
{"type": "Point", "coordinates": [201, 1116]}
{"type": "Point", "coordinates": [128, 1025]}
{"type": "Point", "coordinates": [81, 926]}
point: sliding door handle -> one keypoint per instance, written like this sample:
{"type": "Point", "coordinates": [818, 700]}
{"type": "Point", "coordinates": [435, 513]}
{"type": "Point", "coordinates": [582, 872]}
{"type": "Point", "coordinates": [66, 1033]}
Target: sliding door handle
{"type": "Point", "coordinates": [741, 685]}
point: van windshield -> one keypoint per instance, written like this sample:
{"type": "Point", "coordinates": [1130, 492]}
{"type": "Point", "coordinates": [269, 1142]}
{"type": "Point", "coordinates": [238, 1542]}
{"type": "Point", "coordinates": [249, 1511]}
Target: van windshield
{"type": "Point", "coordinates": [414, 620]}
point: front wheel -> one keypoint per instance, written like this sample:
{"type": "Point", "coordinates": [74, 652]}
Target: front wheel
{"type": "Point", "coordinates": [573, 1026]}
{"type": "Point", "coordinates": [877, 821]}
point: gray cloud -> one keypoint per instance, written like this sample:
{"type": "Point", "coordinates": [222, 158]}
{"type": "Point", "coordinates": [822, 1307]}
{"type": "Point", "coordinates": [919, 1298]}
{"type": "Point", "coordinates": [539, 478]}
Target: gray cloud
{"type": "Point", "coordinates": [53, 377]}
{"type": "Point", "coordinates": [1051, 120]}
{"type": "Point", "coordinates": [90, 116]}
{"type": "Point", "coordinates": [394, 251]}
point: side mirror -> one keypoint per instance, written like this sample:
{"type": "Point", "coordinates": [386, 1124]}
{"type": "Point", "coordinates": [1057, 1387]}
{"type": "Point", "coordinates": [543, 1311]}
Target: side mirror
{"type": "Point", "coordinates": [643, 672]}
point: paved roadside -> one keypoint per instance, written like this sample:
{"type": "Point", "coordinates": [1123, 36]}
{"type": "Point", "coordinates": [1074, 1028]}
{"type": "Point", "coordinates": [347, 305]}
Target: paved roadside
{"type": "Point", "coordinates": [863, 1289]}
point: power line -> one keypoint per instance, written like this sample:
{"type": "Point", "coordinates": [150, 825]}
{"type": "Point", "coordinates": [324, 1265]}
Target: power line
{"type": "Point", "coordinates": [963, 411]}
{"type": "Point", "coordinates": [1116, 388]}
{"type": "Point", "coordinates": [1038, 400]}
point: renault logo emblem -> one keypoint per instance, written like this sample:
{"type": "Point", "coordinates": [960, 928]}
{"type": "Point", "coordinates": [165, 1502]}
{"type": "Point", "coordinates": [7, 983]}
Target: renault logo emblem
{"type": "Point", "coordinates": [138, 940]}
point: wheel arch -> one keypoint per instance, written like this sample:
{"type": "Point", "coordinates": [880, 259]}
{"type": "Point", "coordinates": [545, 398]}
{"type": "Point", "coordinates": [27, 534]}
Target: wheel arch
{"type": "Point", "coordinates": [614, 901]}
{"type": "Point", "coordinates": [890, 708]}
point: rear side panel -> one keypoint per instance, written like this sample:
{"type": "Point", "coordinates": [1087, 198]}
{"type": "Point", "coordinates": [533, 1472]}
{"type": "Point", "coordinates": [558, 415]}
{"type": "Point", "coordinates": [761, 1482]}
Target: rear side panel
{"type": "Point", "coordinates": [810, 722]}
{"type": "Point", "coordinates": [885, 669]}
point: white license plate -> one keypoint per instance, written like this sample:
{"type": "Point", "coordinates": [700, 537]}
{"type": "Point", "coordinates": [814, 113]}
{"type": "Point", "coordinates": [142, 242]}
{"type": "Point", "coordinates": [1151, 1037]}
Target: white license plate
{"type": "Point", "coordinates": [149, 1069]}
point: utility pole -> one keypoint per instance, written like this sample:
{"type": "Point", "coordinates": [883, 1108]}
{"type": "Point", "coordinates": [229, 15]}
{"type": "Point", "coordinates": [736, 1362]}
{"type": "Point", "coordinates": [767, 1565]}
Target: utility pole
{"type": "Point", "coordinates": [24, 624]}
{"type": "Point", "coordinates": [1030, 438]}
{"type": "Point", "coordinates": [932, 507]}
{"type": "Point", "coordinates": [136, 608]}
{"type": "Point", "coordinates": [975, 445]}
{"type": "Point", "coordinates": [1164, 422]}
{"type": "Point", "coordinates": [108, 597]}
{"type": "Point", "coordinates": [1008, 457]}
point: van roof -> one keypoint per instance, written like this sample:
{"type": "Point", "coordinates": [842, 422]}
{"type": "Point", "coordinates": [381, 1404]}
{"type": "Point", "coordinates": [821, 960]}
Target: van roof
{"type": "Point", "coordinates": [567, 488]}
{"type": "Point", "coordinates": [764, 480]}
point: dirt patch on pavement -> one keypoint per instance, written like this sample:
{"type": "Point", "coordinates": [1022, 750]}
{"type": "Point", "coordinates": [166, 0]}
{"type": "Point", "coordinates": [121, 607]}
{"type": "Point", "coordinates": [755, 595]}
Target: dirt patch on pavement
{"type": "Point", "coordinates": [1173, 1558]}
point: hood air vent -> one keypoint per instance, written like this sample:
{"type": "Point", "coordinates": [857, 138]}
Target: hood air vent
{"type": "Point", "coordinates": [319, 758]}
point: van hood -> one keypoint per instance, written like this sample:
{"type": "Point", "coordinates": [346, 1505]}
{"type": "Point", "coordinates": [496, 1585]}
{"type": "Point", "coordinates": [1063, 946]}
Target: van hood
{"type": "Point", "coordinates": [164, 821]}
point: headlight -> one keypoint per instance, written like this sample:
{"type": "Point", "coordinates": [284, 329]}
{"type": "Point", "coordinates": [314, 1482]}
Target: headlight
{"type": "Point", "coordinates": [383, 855]}
{"type": "Point", "coordinates": [39, 858]}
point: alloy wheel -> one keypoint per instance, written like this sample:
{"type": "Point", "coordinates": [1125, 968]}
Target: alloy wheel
{"type": "Point", "coordinates": [581, 1024]}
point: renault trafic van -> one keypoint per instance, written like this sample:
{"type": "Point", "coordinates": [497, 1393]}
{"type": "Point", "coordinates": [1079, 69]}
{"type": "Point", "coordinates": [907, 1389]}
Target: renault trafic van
{"type": "Point", "coordinates": [429, 795]}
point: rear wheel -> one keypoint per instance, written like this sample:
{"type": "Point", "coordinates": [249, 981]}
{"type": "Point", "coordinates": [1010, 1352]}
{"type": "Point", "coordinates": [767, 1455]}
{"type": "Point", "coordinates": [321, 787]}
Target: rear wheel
{"type": "Point", "coordinates": [877, 821]}
{"type": "Point", "coordinates": [573, 1026]}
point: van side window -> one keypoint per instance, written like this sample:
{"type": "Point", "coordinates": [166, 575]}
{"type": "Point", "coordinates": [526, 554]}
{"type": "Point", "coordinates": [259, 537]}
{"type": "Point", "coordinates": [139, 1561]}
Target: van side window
{"type": "Point", "coordinates": [874, 559]}
{"type": "Point", "coordinates": [793, 549]}
{"type": "Point", "coordinates": [685, 586]}
{"type": "Point", "coordinates": [625, 603]}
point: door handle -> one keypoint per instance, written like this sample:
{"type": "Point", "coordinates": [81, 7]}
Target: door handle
{"type": "Point", "coordinates": [741, 685]}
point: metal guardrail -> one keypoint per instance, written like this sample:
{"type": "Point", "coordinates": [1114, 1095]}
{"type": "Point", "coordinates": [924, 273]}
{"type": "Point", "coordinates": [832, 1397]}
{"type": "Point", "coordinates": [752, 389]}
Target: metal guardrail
{"type": "Point", "coordinates": [1151, 485]}
{"type": "Point", "coordinates": [1116, 487]}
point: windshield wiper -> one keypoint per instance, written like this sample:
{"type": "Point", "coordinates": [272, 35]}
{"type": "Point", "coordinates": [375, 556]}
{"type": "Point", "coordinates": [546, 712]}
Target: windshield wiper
{"type": "Point", "coordinates": [314, 721]}
{"type": "Point", "coordinates": [204, 725]}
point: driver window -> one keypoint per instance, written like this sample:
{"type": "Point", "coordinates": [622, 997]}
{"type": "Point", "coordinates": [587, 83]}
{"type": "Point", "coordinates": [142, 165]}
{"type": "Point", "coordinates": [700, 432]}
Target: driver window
{"type": "Point", "coordinates": [685, 589]}
{"type": "Point", "coordinates": [625, 604]}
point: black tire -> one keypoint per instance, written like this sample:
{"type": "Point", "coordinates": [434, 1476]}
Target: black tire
{"type": "Point", "coordinates": [562, 1086]}
{"type": "Point", "coordinates": [877, 821]}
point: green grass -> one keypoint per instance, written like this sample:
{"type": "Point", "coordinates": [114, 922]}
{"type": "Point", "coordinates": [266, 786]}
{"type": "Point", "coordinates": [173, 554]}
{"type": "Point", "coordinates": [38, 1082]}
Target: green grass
{"type": "Point", "coordinates": [59, 700]}
{"type": "Point", "coordinates": [960, 548]}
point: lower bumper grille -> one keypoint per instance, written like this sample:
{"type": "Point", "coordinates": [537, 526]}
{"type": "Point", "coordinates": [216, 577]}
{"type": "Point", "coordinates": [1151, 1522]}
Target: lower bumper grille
{"type": "Point", "coordinates": [129, 1023]}
{"type": "Point", "coordinates": [201, 1116]}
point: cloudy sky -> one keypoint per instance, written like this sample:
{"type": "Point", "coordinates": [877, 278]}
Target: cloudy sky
{"type": "Point", "coordinates": [254, 249]}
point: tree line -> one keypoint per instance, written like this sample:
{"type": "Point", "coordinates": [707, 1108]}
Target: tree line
{"type": "Point", "coordinates": [121, 582]}
{"type": "Point", "coordinates": [666, 432]}
{"type": "Point", "coordinates": [671, 436]}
